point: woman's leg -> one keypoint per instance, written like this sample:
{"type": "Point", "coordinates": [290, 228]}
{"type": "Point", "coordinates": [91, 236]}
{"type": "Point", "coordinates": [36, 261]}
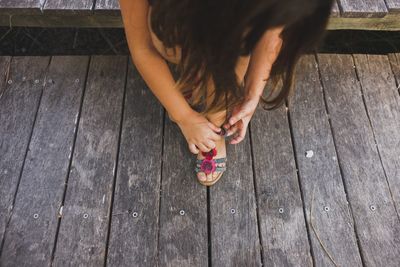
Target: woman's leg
{"type": "Point", "coordinates": [219, 118]}
{"type": "Point", "coordinates": [241, 68]}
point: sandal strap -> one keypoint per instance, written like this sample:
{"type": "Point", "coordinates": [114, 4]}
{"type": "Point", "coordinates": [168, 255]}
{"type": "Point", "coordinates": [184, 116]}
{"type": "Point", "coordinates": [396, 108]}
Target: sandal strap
{"type": "Point", "coordinates": [216, 166]}
{"type": "Point", "coordinates": [217, 169]}
{"type": "Point", "coordinates": [220, 160]}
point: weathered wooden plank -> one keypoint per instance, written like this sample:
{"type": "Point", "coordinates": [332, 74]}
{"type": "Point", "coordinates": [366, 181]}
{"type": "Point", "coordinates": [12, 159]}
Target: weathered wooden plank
{"type": "Point", "coordinates": [328, 215]}
{"type": "Point", "coordinates": [18, 106]}
{"type": "Point", "coordinates": [281, 217]}
{"type": "Point", "coordinates": [395, 63]}
{"type": "Point", "coordinates": [377, 224]}
{"type": "Point", "coordinates": [183, 217]}
{"type": "Point", "coordinates": [335, 13]}
{"type": "Point", "coordinates": [383, 106]}
{"type": "Point", "coordinates": [362, 8]}
{"type": "Point", "coordinates": [26, 7]}
{"type": "Point", "coordinates": [5, 62]}
{"type": "Point", "coordinates": [134, 225]}
{"type": "Point", "coordinates": [66, 20]}
{"type": "Point", "coordinates": [234, 232]}
{"type": "Point", "coordinates": [390, 22]}
{"type": "Point", "coordinates": [32, 228]}
{"type": "Point", "coordinates": [110, 7]}
{"type": "Point", "coordinates": [393, 5]}
{"type": "Point", "coordinates": [84, 224]}
{"type": "Point", "coordinates": [68, 7]}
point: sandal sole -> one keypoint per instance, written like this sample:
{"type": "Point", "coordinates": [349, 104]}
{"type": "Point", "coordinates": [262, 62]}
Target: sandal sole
{"type": "Point", "coordinates": [212, 182]}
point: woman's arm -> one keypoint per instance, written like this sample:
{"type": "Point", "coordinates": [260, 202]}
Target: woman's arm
{"type": "Point", "coordinates": [198, 131]}
{"type": "Point", "coordinates": [148, 61]}
{"type": "Point", "coordinates": [262, 58]}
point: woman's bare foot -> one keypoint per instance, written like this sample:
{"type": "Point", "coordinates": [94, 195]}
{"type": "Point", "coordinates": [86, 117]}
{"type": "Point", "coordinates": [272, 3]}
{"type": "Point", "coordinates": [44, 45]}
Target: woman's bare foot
{"type": "Point", "coordinates": [221, 153]}
{"type": "Point", "coordinates": [217, 119]}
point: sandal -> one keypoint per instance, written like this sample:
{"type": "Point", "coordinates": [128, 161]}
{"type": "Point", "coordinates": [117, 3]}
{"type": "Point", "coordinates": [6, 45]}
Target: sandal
{"type": "Point", "coordinates": [209, 165]}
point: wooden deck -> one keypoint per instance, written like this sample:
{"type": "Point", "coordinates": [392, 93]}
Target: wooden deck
{"type": "Point", "coordinates": [346, 14]}
{"type": "Point", "coordinates": [92, 172]}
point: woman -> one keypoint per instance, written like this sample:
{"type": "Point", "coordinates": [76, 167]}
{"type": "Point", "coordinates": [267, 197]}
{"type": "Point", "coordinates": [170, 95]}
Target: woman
{"type": "Point", "coordinates": [226, 51]}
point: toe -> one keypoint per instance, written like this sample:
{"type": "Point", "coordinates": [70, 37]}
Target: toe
{"type": "Point", "coordinates": [215, 175]}
{"type": "Point", "coordinates": [201, 176]}
{"type": "Point", "coordinates": [209, 177]}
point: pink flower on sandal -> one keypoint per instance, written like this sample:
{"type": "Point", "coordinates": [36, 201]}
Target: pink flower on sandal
{"type": "Point", "coordinates": [209, 155]}
{"type": "Point", "coordinates": [207, 166]}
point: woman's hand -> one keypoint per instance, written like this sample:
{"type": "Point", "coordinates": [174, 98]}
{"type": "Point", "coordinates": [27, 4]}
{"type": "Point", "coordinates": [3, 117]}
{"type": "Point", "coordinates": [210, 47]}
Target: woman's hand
{"type": "Point", "coordinates": [240, 118]}
{"type": "Point", "coordinates": [199, 132]}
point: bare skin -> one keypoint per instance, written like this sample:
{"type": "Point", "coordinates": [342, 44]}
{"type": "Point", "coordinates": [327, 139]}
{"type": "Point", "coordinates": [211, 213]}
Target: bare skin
{"type": "Point", "coordinates": [148, 54]}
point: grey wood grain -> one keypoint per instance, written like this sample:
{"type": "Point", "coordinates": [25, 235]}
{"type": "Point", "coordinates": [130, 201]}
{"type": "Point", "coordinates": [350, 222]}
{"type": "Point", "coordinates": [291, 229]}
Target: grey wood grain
{"type": "Point", "coordinates": [280, 208]}
{"type": "Point", "coordinates": [234, 232]}
{"type": "Point", "coordinates": [101, 19]}
{"type": "Point", "coordinates": [110, 7]}
{"type": "Point", "coordinates": [134, 226]}
{"type": "Point", "coordinates": [21, 6]}
{"type": "Point", "coordinates": [182, 238]}
{"type": "Point", "coordinates": [395, 64]}
{"type": "Point", "coordinates": [328, 215]}
{"type": "Point", "coordinates": [18, 105]}
{"type": "Point", "coordinates": [362, 8]}
{"type": "Point", "coordinates": [335, 13]}
{"type": "Point", "coordinates": [30, 240]}
{"type": "Point", "coordinates": [5, 62]}
{"type": "Point", "coordinates": [84, 224]}
{"type": "Point", "coordinates": [383, 106]}
{"type": "Point", "coordinates": [377, 224]}
{"type": "Point", "coordinates": [393, 5]}
{"type": "Point", "coordinates": [68, 7]}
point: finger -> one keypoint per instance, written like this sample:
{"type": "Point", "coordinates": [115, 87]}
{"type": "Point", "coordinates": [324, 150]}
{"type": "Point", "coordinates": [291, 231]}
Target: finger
{"type": "Point", "coordinates": [213, 127]}
{"type": "Point", "coordinates": [233, 129]}
{"type": "Point", "coordinates": [214, 137]}
{"type": "Point", "coordinates": [235, 118]}
{"type": "Point", "coordinates": [193, 149]}
{"type": "Point", "coordinates": [240, 137]}
{"type": "Point", "coordinates": [203, 148]}
{"type": "Point", "coordinates": [236, 140]}
{"type": "Point", "coordinates": [210, 144]}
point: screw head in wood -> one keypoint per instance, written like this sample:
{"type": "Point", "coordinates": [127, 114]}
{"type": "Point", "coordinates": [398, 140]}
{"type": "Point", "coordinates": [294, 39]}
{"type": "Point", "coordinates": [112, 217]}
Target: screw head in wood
{"type": "Point", "coordinates": [372, 207]}
{"type": "Point", "coordinates": [36, 81]}
{"type": "Point", "coordinates": [35, 215]}
{"type": "Point", "coordinates": [326, 208]}
{"type": "Point", "coordinates": [233, 211]}
{"type": "Point", "coordinates": [85, 216]}
{"type": "Point", "coordinates": [281, 210]}
{"type": "Point", "coordinates": [134, 214]}
{"type": "Point", "coordinates": [309, 153]}
{"type": "Point", "coordinates": [182, 212]}
{"type": "Point", "coordinates": [77, 80]}
{"type": "Point", "coordinates": [9, 81]}
{"type": "Point", "coordinates": [23, 78]}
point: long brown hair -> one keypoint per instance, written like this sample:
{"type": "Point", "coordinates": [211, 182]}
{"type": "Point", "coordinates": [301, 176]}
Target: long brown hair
{"type": "Point", "coordinates": [210, 34]}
